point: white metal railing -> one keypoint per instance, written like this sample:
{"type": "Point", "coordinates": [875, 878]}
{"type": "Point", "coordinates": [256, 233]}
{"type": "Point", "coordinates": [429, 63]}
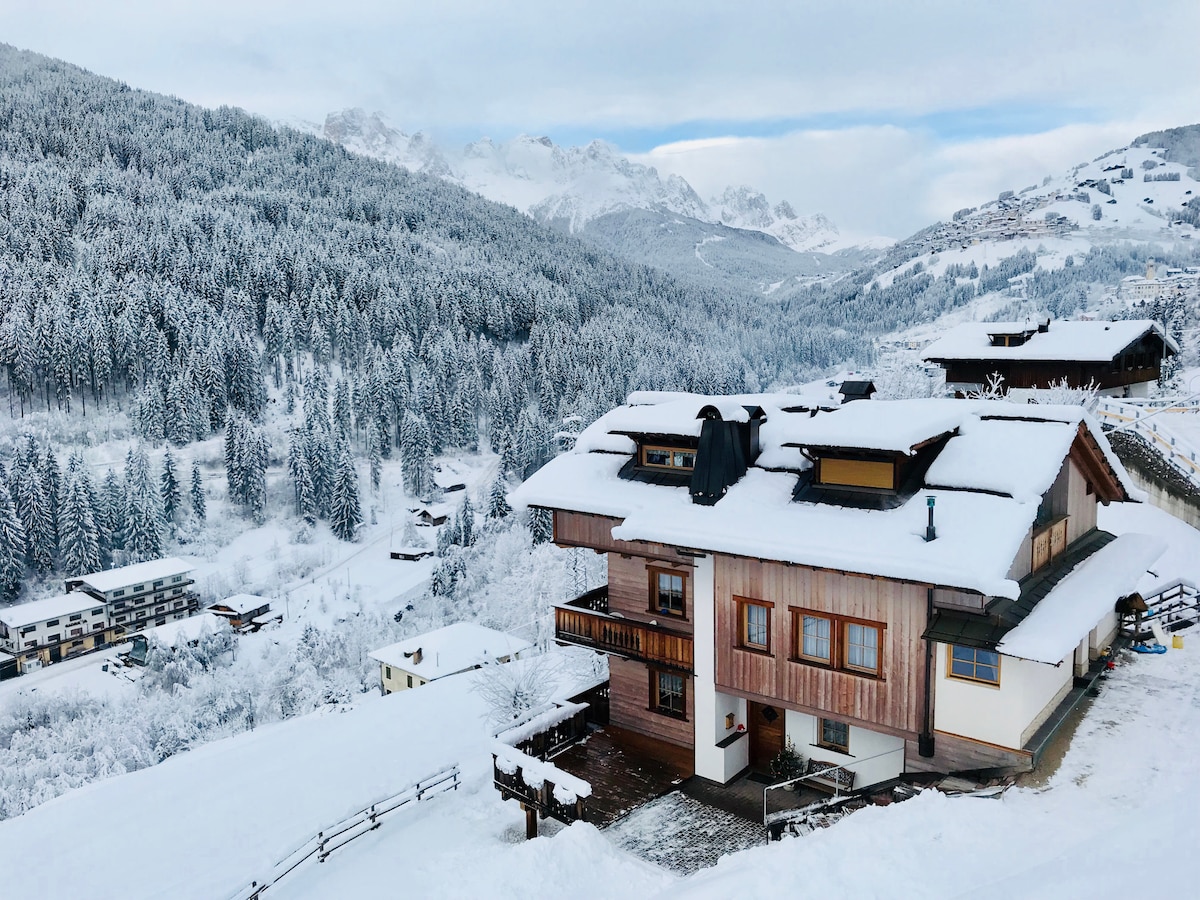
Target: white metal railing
{"type": "Point", "coordinates": [1145, 419]}
{"type": "Point", "coordinates": [822, 774]}
{"type": "Point", "coordinates": [323, 843]}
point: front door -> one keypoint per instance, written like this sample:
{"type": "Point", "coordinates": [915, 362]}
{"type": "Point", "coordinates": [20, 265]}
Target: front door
{"type": "Point", "coordinates": [766, 735]}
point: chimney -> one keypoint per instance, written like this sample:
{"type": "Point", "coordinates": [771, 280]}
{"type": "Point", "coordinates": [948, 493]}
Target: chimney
{"type": "Point", "coordinates": [930, 531]}
{"type": "Point", "coordinates": [1043, 325]}
{"type": "Point", "coordinates": [415, 656]}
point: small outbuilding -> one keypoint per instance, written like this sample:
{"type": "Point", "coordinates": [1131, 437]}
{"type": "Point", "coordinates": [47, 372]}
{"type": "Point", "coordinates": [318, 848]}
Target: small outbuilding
{"type": "Point", "coordinates": [241, 609]}
{"type": "Point", "coordinates": [446, 651]}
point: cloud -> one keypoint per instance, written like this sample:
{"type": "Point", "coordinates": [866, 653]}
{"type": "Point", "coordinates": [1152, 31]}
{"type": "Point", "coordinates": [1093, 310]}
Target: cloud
{"type": "Point", "coordinates": [887, 179]}
{"type": "Point", "coordinates": [891, 103]}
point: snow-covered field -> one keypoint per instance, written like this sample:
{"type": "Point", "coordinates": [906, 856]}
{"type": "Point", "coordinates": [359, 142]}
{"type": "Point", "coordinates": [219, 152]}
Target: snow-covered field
{"type": "Point", "coordinates": [1120, 814]}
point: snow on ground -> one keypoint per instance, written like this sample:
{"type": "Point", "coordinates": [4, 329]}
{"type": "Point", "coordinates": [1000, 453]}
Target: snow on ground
{"type": "Point", "coordinates": [209, 820]}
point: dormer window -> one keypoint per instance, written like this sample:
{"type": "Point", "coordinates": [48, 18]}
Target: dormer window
{"type": "Point", "coordinates": [873, 474]}
{"type": "Point", "coordinates": [672, 458]}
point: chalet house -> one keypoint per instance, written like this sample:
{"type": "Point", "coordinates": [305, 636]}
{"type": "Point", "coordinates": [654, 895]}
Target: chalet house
{"type": "Point", "coordinates": [895, 586]}
{"type": "Point", "coordinates": [1121, 358]}
{"type": "Point", "coordinates": [447, 651]}
{"type": "Point", "coordinates": [241, 610]}
{"type": "Point", "coordinates": [142, 594]}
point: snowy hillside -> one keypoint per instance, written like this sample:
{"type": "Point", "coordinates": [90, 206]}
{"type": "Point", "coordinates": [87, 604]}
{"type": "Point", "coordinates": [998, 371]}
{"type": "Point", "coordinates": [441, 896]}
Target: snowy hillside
{"type": "Point", "coordinates": [573, 186]}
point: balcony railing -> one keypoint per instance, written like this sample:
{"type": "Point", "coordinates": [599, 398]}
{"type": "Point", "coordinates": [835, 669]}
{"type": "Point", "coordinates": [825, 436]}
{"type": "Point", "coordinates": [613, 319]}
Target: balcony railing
{"type": "Point", "coordinates": [579, 622]}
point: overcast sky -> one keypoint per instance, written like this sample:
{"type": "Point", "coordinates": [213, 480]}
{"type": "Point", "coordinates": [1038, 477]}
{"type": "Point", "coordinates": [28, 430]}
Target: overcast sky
{"type": "Point", "coordinates": [884, 115]}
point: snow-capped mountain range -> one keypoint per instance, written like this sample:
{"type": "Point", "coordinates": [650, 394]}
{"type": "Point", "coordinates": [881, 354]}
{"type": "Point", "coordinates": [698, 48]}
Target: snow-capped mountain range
{"type": "Point", "coordinates": [573, 186]}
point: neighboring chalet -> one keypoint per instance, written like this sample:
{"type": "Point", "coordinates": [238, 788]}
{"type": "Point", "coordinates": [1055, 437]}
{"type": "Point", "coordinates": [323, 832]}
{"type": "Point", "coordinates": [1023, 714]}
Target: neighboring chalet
{"type": "Point", "coordinates": [446, 651]}
{"type": "Point", "coordinates": [98, 609]}
{"type": "Point", "coordinates": [1121, 358]}
{"type": "Point", "coordinates": [894, 586]}
{"type": "Point", "coordinates": [243, 610]}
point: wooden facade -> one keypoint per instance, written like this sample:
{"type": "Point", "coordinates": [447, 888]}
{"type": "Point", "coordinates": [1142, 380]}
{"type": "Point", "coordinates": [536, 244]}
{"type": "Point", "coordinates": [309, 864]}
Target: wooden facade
{"type": "Point", "coordinates": [891, 703]}
{"type": "Point", "coordinates": [1140, 362]}
{"type": "Point", "coordinates": [629, 704]}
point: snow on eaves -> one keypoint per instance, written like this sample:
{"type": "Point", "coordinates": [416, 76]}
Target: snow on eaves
{"type": "Point", "coordinates": [1020, 459]}
{"type": "Point", "coordinates": [1064, 616]}
{"type": "Point", "coordinates": [1084, 341]}
{"type": "Point", "coordinates": [48, 608]}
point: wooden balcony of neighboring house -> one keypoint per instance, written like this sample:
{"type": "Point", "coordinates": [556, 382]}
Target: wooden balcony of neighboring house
{"type": "Point", "coordinates": [586, 622]}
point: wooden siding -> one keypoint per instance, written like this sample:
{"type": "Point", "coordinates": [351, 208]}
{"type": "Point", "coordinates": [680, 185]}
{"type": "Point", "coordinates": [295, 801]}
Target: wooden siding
{"type": "Point", "coordinates": [943, 598]}
{"type": "Point", "coordinates": [576, 529]}
{"type": "Point", "coordinates": [629, 589]}
{"type": "Point", "coordinates": [1037, 374]}
{"type": "Point", "coordinates": [891, 703]}
{"type": "Point", "coordinates": [629, 704]}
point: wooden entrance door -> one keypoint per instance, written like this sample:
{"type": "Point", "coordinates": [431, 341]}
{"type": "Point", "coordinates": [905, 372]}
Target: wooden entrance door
{"type": "Point", "coordinates": [766, 735]}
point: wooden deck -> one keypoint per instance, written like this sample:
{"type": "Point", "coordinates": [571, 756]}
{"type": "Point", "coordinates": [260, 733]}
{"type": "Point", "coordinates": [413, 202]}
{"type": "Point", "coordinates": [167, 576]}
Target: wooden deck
{"type": "Point", "coordinates": [625, 771]}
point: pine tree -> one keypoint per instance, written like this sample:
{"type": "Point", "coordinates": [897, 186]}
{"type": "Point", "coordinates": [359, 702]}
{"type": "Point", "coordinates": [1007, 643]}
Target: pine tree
{"type": "Point", "coordinates": [78, 538]}
{"type": "Point", "coordinates": [111, 510]}
{"type": "Point", "coordinates": [541, 525]}
{"type": "Point", "coordinates": [143, 509]}
{"type": "Point", "coordinates": [416, 456]}
{"type": "Point", "coordinates": [199, 506]}
{"type": "Point", "coordinates": [12, 547]}
{"type": "Point", "coordinates": [466, 523]}
{"type": "Point", "coordinates": [345, 513]}
{"type": "Point", "coordinates": [34, 512]}
{"type": "Point", "coordinates": [172, 497]}
{"type": "Point", "coordinates": [375, 456]}
{"type": "Point", "coordinates": [498, 507]}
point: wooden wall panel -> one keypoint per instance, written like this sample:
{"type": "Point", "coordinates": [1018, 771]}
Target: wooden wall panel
{"type": "Point", "coordinates": [629, 704]}
{"type": "Point", "coordinates": [1081, 506]}
{"type": "Point", "coordinates": [893, 701]}
{"type": "Point", "coordinates": [575, 529]}
{"type": "Point", "coordinates": [629, 589]}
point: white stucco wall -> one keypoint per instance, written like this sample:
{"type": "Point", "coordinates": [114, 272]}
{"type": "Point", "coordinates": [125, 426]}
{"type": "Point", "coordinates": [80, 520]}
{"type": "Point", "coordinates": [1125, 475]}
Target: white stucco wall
{"type": "Point", "coordinates": [873, 757]}
{"type": "Point", "coordinates": [1003, 715]}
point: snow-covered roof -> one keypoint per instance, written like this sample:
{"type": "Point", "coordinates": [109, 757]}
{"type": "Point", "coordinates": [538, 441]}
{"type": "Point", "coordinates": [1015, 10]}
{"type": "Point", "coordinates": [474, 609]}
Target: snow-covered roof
{"type": "Point", "coordinates": [892, 425]}
{"type": "Point", "coordinates": [1059, 622]}
{"type": "Point", "coordinates": [138, 573]}
{"type": "Point", "coordinates": [50, 608]}
{"type": "Point", "coordinates": [451, 649]}
{"type": "Point", "coordinates": [1020, 459]}
{"type": "Point", "coordinates": [1083, 341]}
{"type": "Point", "coordinates": [244, 603]}
{"type": "Point", "coordinates": [184, 631]}
{"type": "Point", "coordinates": [989, 480]}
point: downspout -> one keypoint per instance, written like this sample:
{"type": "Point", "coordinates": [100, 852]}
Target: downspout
{"type": "Point", "coordinates": [925, 738]}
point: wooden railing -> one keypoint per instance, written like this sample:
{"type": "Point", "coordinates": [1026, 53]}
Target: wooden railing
{"type": "Point", "coordinates": [647, 643]}
{"type": "Point", "coordinates": [323, 843]}
{"type": "Point", "coordinates": [596, 600]}
{"type": "Point", "coordinates": [539, 800]}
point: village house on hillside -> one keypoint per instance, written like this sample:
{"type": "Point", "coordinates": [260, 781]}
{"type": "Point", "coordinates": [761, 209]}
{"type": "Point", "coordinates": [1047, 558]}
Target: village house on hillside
{"type": "Point", "coordinates": [892, 586]}
{"type": "Point", "coordinates": [415, 661]}
{"type": "Point", "coordinates": [97, 610]}
{"type": "Point", "coordinates": [1122, 359]}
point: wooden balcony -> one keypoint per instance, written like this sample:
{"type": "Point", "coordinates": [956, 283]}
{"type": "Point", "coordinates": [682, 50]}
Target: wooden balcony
{"type": "Point", "coordinates": [585, 622]}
